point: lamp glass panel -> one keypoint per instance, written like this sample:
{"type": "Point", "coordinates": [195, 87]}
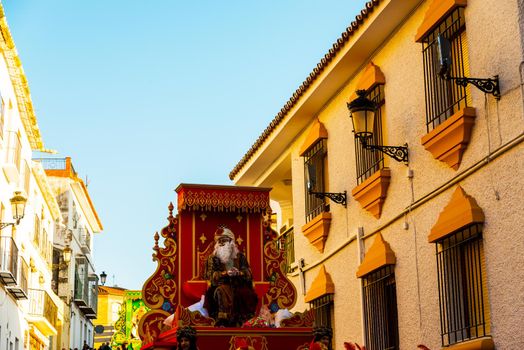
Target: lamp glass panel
{"type": "Point", "coordinates": [363, 121]}
{"type": "Point", "coordinates": [67, 255]}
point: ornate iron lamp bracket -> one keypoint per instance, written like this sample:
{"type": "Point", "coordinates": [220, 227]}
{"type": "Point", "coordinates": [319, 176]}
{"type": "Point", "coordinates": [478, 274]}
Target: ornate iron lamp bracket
{"type": "Point", "coordinates": [488, 86]}
{"type": "Point", "coordinates": [399, 153]}
{"type": "Point", "coordinates": [339, 197]}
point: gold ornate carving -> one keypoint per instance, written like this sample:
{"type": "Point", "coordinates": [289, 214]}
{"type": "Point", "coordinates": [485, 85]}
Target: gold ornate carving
{"type": "Point", "coordinates": [184, 317]}
{"type": "Point", "coordinates": [159, 291]}
{"type": "Point", "coordinates": [201, 260]}
{"type": "Point", "coordinates": [300, 319]}
{"type": "Point", "coordinates": [257, 342]}
{"type": "Point", "coordinates": [281, 290]}
{"type": "Point", "coordinates": [222, 199]}
{"type": "Point", "coordinates": [151, 325]}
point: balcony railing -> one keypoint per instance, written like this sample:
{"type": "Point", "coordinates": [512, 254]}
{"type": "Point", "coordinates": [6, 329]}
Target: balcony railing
{"type": "Point", "coordinates": [81, 282]}
{"type": "Point", "coordinates": [56, 164]}
{"type": "Point", "coordinates": [85, 240]}
{"type": "Point", "coordinates": [19, 290]}
{"type": "Point", "coordinates": [91, 308]}
{"type": "Point", "coordinates": [42, 306]}
{"type": "Point", "coordinates": [8, 261]}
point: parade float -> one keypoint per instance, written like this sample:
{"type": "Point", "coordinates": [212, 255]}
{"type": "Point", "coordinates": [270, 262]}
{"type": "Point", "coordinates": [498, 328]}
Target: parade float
{"type": "Point", "coordinates": [126, 327]}
{"type": "Point", "coordinates": [180, 252]}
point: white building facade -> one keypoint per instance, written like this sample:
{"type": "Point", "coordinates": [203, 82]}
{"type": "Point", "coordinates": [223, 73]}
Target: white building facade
{"type": "Point", "coordinates": [76, 283]}
{"type": "Point", "coordinates": [30, 312]}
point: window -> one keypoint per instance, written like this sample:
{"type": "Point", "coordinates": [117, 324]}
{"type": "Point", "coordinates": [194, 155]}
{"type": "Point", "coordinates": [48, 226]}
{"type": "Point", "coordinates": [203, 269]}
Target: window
{"type": "Point", "coordinates": [380, 309]}
{"type": "Point", "coordinates": [36, 238]}
{"type": "Point", "coordinates": [287, 245]}
{"type": "Point", "coordinates": [323, 307]}
{"type": "Point", "coordinates": [445, 97]}
{"type": "Point", "coordinates": [315, 168]}
{"type": "Point", "coordinates": [464, 311]}
{"type": "Point", "coordinates": [369, 161]}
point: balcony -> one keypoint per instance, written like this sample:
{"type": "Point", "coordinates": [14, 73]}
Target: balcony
{"type": "Point", "coordinates": [13, 157]}
{"type": "Point", "coordinates": [85, 240]}
{"type": "Point", "coordinates": [90, 309]}
{"type": "Point", "coordinates": [8, 261]}
{"type": "Point", "coordinates": [19, 290]}
{"type": "Point", "coordinates": [43, 312]}
{"type": "Point", "coordinates": [81, 283]}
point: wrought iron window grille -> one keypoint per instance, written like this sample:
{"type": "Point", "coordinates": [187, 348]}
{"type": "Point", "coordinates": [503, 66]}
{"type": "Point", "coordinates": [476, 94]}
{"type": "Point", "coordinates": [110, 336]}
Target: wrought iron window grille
{"type": "Point", "coordinates": [380, 309]}
{"type": "Point", "coordinates": [461, 286]}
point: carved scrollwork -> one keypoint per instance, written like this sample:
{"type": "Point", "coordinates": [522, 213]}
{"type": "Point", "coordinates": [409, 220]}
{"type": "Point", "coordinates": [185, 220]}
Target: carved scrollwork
{"type": "Point", "coordinates": [159, 291]}
{"type": "Point", "coordinates": [184, 317]}
{"type": "Point", "coordinates": [151, 325]}
{"type": "Point", "coordinates": [281, 290]}
{"type": "Point", "coordinates": [300, 319]}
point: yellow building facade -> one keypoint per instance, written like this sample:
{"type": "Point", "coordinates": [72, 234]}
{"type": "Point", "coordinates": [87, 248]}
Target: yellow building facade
{"type": "Point", "coordinates": [423, 250]}
{"type": "Point", "coordinates": [110, 299]}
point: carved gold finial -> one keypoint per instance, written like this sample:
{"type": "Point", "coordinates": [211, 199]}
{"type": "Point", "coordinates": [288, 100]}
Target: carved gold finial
{"type": "Point", "coordinates": [170, 207]}
{"type": "Point", "coordinates": [156, 240]}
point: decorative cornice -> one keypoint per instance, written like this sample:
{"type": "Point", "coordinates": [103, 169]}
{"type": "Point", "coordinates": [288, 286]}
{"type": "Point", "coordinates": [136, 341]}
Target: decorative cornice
{"type": "Point", "coordinates": [379, 255]}
{"type": "Point", "coordinates": [448, 141]}
{"type": "Point", "coordinates": [371, 194]}
{"type": "Point", "coordinates": [324, 62]}
{"type": "Point", "coordinates": [223, 198]}
{"type": "Point", "coordinates": [20, 85]}
{"type": "Point", "coordinates": [322, 285]}
{"type": "Point", "coordinates": [316, 133]}
{"type": "Point", "coordinates": [47, 192]}
{"type": "Point", "coordinates": [461, 211]}
{"type": "Point", "coordinates": [436, 12]}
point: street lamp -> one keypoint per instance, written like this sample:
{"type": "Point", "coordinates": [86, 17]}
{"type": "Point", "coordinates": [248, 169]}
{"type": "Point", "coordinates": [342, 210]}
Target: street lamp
{"type": "Point", "coordinates": [66, 258]}
{"type": "Point", "coordinates": [17, 207]}
{"type": "Point", "coordinates": [103, 277]}
{"type": "Point", "coordinates": [362, 113]}
{"type": "Point", "coordinates": [66, 254]}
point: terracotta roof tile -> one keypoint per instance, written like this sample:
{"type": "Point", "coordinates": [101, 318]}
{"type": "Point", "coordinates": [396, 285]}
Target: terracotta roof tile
{"type": "Point", "coordinates": [328, 57]}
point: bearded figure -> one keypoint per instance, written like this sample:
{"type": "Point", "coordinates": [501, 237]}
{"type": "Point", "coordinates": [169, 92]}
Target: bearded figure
{"type": "Point", "coordinates": [230, 298]}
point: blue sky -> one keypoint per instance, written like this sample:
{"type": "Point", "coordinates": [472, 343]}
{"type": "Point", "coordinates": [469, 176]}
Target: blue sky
{"type": "Point", "coordinates": [144, 95]}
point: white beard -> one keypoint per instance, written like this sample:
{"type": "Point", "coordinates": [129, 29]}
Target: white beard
{"type": "Point", "coordinates": [226, 253]}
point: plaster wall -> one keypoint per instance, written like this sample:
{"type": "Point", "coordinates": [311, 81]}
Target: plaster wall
{"type": "Point", "coordinates": [498, 186]}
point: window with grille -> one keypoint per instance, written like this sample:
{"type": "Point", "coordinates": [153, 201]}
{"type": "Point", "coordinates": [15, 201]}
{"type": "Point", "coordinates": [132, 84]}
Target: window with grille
{"type": "Point", "coordinates": [323, 307]}
{"type": "Point", "coordinates": [464, 311]}
{"type": "Point", "coordinates": [370, 161]}
{"type": "Point", "coordinates": [315, 166]}
{"type": "Point", "coordinates": [380, 309]}
{"type": "Point", "coordinates": [445, 97]}
{"type": "Point", "coordinates": [287, 245]}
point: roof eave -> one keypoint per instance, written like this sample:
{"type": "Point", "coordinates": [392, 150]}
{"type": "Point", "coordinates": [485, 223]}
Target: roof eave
{"type": "Point", "coordinates": [369, 33]}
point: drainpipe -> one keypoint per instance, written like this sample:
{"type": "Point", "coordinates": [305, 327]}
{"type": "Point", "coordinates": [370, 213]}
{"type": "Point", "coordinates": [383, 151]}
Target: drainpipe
{"type": "Point", "coordinates": [361, 253]}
